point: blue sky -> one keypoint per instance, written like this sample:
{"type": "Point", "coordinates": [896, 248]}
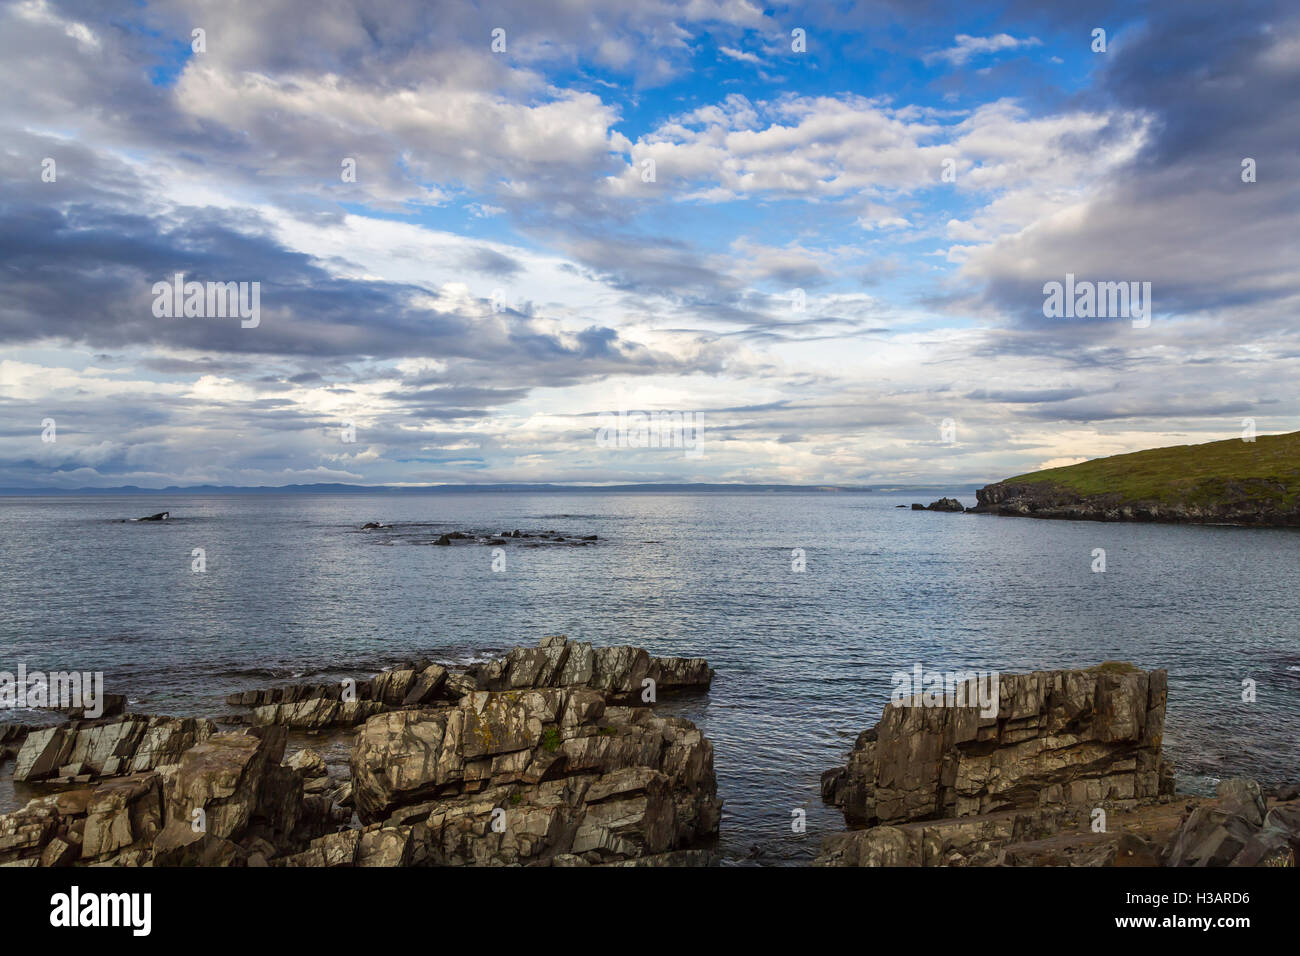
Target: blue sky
{"type": "Point", "coordinates": [500, 273]}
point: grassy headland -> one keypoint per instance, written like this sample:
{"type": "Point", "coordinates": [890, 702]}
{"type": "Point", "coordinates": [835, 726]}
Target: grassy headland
{"type": "Point", "coordinates": [1232, 481]}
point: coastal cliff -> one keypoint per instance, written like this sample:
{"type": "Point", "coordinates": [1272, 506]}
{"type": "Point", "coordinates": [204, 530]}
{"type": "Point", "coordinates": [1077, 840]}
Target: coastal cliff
{"type": "Point", "coordinates": [1253, 483]}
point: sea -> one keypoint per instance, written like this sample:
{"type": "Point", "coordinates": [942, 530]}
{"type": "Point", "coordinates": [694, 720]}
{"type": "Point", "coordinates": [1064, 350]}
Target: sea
{"type": "Point", "coordinates": [806, 605]}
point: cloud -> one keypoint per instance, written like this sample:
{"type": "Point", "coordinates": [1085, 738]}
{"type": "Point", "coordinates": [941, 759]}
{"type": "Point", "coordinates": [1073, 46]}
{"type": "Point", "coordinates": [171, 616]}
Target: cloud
{"type": "Point", "coordinates": [967, 46]}
{"type": "Point", "coordinates": [502, 268]}
{"type": "Point", "coordinates": [741, 55]}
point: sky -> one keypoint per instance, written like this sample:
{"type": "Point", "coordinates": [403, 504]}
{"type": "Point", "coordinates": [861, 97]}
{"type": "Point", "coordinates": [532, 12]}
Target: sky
{"type": "Point", "coordinates": [819, 231]}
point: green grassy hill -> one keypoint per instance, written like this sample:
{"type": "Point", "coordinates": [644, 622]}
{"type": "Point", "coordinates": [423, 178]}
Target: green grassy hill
{"type": "Point", "coordinates": [1267, 468]}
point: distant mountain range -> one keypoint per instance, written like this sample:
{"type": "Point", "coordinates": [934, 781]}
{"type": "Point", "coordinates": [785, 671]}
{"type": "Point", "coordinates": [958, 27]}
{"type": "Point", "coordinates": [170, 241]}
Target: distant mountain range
{"type": "Point", "coordinates": [344, 489]}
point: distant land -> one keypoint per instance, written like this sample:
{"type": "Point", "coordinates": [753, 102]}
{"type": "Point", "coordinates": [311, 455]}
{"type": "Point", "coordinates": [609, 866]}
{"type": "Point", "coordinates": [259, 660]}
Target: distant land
{"type": "Point", "coordinates": [345, 489]}
{"type": "Point", "coordinates": [1223, 482]}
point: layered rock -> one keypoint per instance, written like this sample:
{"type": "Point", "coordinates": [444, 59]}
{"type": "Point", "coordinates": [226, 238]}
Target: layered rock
{"type": "Point", "coordinates": [621, 673]}
{"type": "Point", "coordinates": [227, 800]}
{"type": "Point", "coordinates": [323, 706]}
{"type": "Point", "coordinates": [545, 768]}
{"type": "Point", "coordinates": [941, 783]}
{"type": "Point", "coordinates": [84, 750]}
{"type": "Point", "coordinates": [1058, 738]}
{"type": "Point", "coordinates": [546, 776]}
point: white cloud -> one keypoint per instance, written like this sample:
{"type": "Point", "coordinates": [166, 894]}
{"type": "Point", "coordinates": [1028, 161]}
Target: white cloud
{"type": "Point", "coordinates": [967, 46]}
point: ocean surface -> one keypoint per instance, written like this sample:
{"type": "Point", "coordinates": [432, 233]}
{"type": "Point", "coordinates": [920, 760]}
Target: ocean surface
{"type": "Point", "coordinates": [294, 590]}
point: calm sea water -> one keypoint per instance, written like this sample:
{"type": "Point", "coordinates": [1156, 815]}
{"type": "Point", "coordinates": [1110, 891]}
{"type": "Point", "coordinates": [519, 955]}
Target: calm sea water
{"type": "Point", "coordinates": [294, 591]}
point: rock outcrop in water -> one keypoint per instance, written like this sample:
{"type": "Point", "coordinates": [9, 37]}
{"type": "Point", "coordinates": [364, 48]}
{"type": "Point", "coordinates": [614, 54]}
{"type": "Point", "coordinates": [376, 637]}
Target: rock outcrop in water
{"type": "Point", "coordinates": [1058, 738]}
{"type": "Point", "coordinates": [943, 504]}
{"type": "Point", "coordinates": [1068, 772]}
{"type": "Point", "coordinates": [1060, 741]}
{"type": "Point", "coordinates": [546, 757]}
{"type": "Point", "coordinates": [82, 750]}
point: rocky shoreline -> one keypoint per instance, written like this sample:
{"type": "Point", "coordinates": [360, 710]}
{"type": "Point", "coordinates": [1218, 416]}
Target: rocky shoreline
{"type": "Point", "coordinates": [1246, 502]}
{"type": "Point", "coordinates": [557, 756]}
{"type": "Point", "coordinates": [551, 756]}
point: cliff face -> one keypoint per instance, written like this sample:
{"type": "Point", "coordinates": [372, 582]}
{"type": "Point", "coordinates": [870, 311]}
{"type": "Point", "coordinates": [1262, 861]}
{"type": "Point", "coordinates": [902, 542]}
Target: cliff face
{"type": "Point", "coordinates": [1250, 501]}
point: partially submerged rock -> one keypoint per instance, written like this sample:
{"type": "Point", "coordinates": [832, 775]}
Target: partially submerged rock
{"type": "Point", "coordinates": [945, 504]}
{"type": "Point", "coordinates": [934, 781]}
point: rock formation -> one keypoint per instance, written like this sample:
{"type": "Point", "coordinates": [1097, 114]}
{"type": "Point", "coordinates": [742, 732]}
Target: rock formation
{"type": "Point", "coordinates": [546, 757]}
{"type": "Point", "coordinates": [82, 750]}
{"type": "Point", "coordinates": [1060, 741]}
{"type": "Point", "coordinates": [1240, 831]}
{"type": "Point", "coordinates": [943, 504]}
{"type": "Point", "coordinates": [620, 673]}
{"type": "Point", "coordinates": [1059, 738]}
{"type": "Point", "coordinates": [1246, 502]}
{"type": "Point", "coordinates": [1068, 772]}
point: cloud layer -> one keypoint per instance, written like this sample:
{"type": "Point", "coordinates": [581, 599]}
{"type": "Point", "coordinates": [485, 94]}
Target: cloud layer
{"type": "Point", "coordinates": [466, 254]}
